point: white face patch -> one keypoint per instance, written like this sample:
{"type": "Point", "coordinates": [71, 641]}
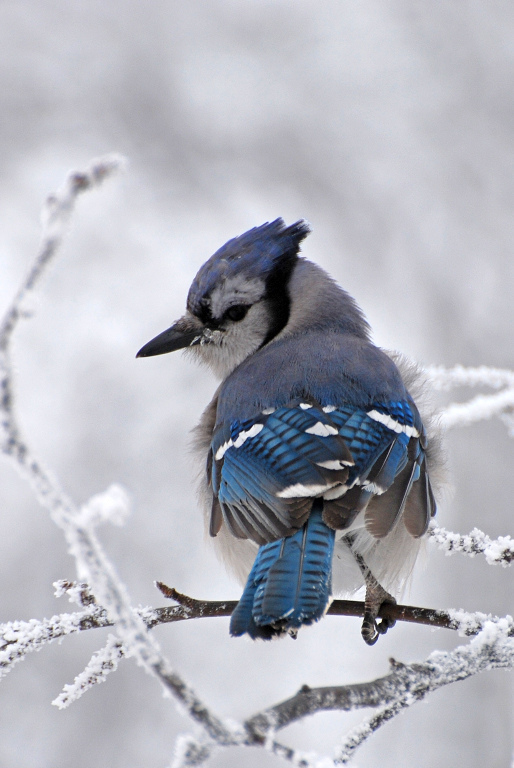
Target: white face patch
{"type": "Point", "coordinates": [235, 290]}
{"type": "Point", "coordinates": [226, 349]}
{"type": "Point", "coordinates": [392, 424]}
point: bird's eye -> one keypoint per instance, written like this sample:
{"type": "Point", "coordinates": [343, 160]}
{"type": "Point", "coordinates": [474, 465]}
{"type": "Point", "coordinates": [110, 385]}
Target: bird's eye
{"type": "Point", "coordinates": [237, 312]}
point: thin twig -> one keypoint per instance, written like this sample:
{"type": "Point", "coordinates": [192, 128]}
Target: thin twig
{"type": "Point", "coordinates": [498, 551]}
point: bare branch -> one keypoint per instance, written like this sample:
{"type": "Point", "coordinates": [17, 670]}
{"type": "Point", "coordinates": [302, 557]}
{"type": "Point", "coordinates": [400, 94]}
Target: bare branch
{"type": "Point", "coordinates": [197, 609]}
{"type": "Point", "coordinates": [18, 638]}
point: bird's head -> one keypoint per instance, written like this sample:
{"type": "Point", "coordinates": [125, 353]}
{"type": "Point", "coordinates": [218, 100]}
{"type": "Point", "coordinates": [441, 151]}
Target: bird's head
{"type": "Point", "coordinates": [239, 300]}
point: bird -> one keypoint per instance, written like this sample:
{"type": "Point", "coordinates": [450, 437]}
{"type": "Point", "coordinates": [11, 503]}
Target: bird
{"type": "Point", "coordinates": [315, 462]}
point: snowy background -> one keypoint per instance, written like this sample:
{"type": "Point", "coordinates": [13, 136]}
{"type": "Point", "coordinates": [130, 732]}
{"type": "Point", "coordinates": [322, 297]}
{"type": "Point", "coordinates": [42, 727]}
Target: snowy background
{"type": "Point", "coordinates": [390, 127]}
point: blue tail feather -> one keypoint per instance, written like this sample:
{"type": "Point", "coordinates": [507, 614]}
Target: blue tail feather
{"type": "Point", "coordinates": [290, 582]}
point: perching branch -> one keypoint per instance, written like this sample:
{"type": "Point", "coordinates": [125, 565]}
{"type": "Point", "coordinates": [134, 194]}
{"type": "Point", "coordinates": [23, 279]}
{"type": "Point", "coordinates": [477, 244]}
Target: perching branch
{"type": "Point", "coordinates": [19, 638]}
{"type": "Point", "coordinates": [197, 609]}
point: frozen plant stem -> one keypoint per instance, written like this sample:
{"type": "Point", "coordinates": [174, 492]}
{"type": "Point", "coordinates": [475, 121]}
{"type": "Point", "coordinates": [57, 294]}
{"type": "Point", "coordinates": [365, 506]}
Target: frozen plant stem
{"type": "Point", "coordinates": [92, 564]}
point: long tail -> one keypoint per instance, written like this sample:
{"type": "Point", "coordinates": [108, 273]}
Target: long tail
{"type": "Point", "coordinates": [290, 582]}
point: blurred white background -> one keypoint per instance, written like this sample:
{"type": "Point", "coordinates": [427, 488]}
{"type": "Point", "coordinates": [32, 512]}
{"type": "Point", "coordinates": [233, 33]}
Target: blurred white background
{"type": "Point", "coordinates": [390, 127]}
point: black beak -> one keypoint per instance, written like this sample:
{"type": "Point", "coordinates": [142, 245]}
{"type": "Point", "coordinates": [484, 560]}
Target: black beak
{"type": "Point", "coordinates": [181, 335]}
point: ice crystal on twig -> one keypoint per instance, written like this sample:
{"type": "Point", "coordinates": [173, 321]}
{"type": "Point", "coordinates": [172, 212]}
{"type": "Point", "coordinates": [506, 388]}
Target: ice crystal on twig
{"type": "Point", "coordinates": [496, 551]}
{"type": "Point", "coordinates": [101, 663]}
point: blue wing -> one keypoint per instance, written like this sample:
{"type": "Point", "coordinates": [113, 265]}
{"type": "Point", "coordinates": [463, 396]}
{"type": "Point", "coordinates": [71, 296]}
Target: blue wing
{"type": "Point", "coordinates": [388, 441]}
{"type": "Point", "coordinates": [267, 471]}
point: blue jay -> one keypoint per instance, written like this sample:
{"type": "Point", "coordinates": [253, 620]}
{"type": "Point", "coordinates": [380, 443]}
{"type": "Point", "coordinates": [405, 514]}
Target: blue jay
{"type": "Point", "coordinates": [314, 451]}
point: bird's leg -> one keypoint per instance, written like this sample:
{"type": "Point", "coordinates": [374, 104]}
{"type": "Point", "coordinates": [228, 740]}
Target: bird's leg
{"type": "Point", "coordinates": [376, 595]}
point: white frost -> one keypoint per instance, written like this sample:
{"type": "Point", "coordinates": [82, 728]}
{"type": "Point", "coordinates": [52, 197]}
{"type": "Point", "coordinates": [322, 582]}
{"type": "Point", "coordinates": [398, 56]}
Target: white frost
{"type": "Point", "coordinates": [496, 551]}
{"type": "Point", "coordinates": [110, 506]}
{"type": "Point", "coordinates": [101, 663]}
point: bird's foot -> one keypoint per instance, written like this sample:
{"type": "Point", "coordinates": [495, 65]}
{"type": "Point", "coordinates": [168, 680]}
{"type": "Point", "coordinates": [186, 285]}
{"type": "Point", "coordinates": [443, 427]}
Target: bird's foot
{"type": "Point", "coordinates": [376, 596]}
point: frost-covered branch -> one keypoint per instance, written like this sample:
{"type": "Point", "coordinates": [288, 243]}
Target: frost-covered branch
{"type": "Point", "coordinates": [492, 648]}
{"type": "Point", "coordinates": [496, 551]}
{"type": "Point", "coordinates": [56, 216]}
{"type": "Point", "coordinates": [55, 219]}
{"type": "Point", "coordinates": [444, 379]}
{"type": "Point", "coordinates": [78, 524]}
{"type": "Point", "coordinates": [406, 684]}
{"type": "Point", "coordinates": [101, 663]}
{"type": "Point", "coordinates": [18, 638]}
{"type": "Point", "coordinates": [480, 407]}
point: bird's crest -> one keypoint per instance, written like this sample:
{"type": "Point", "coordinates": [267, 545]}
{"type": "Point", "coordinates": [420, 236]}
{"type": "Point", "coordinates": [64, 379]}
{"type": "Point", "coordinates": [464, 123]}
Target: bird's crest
{"type": "Point", "coordinates": [256, 254]}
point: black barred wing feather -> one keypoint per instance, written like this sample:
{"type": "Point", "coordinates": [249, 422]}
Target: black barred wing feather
{"type": "Point", "coordinates": [388, 442]}
{"type": "Point", "coordinates": [266, 472]}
